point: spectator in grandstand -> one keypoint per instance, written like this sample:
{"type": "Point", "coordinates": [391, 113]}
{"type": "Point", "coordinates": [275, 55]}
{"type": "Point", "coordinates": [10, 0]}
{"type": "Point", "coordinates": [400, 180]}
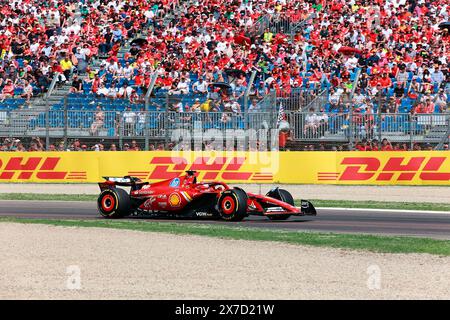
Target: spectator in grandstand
{"type": "Point", "coordinates": [134, 146]}
{"type": "Point", "coordinates": [99, 119]}
{"type": "Point", "coordinates": [437, 77]}
{"type": "Point", "coordinates": [77, 85]}
{"type": "Point", "coordinates": [66, 66]}
{"type": "Point", "coordinates": [225, 118]}
{"type": "Point", "coordinates": [232, 106]}
{"type": "Point", "coordinates": [398, 147]}
{"type": "Point", "coordinates": [6, 145]}
{"type": "Point", "coordinates": [200, 87]}
{"type": "Point", "coordinates": [8, 90]}
{"type": "Point", "coordinates": [358, 97]}
{"type": "Point", "coordinates": [60, 147]}
{"type": "Point", "coordinates": [98, 147]}
{"type": "Point", "coordinates": [441, 101]}
{"type": "Point", "coordinates": [101, 91]}
{"type": "Point", "coordinates": [182, 87]}
{"type": "Point", "coordinates": [426, 82]}
{"type": "Point", "coordinates": [254, 106]}
{"type": "Point", "coordinates": [117, 33]}
{"type": "Point", "coordinates": [113, 147]}
{"type": "Point", "coordinates": [36, 144]}
{"type": "Point", "coordinates": [428, 106]}
{"type": "Point", "coordinates": [76, 145]}
{"type": "Point", "coordinates": [129, 120]}
{"type": "Point", "coordinates": [374, 145]}
{"type": "Point", "coordinates": [112, 91]}
{"type": "Point", "coordinates": [322, 121]}
{"type": "Point", "coordinates": [27, 91]}
{"type": "Point", "coordinates": [140, 123]}
{"type": "Point", "coordinates": [196, 106]}
{"type": "Point", "coordinates": [363, 145]}
{"type": "Point", "coordinates": [311, 122]}
{"type": "Point", "coordinates": [414, 89]}
{"type": "Point", "coordinates": [386, 145]}
{"type": "Point", "coordinates": [125, 92]}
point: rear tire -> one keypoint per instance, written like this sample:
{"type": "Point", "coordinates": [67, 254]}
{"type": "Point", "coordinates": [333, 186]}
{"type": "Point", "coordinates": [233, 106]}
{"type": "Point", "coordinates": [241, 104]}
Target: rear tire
{"type": "Point", "coordinates": [114, 203]}
{"type": "Point", "coordinates": [232, 205]}
{"type": "Point", "coordinates": [284, 196]}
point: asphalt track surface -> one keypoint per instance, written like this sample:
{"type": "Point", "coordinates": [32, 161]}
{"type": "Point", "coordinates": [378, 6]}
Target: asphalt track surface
{"type": "Point", "coordinates": [418, 224]}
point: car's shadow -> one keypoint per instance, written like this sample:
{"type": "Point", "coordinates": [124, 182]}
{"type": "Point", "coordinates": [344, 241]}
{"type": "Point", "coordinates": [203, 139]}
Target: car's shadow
{"type": "Point", "coordinates": [254, 219]}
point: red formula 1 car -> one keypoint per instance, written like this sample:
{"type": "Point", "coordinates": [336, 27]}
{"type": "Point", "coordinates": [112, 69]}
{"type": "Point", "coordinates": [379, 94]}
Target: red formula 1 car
{"type": "Point", "coordinates": [183, 196]}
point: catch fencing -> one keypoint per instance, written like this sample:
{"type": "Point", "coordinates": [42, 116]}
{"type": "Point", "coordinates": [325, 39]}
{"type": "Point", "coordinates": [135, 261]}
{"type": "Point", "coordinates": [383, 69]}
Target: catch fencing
{"type": "Point", "coordinates": [159, 125]}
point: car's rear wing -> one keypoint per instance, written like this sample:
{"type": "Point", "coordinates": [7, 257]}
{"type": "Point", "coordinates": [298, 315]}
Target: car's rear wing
{"type": "Point", "coordinates": [126, 181]}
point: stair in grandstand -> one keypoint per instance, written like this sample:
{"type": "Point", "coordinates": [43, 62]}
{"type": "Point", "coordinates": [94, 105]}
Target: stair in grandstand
{"type": "Point", "coordinates": [436, 133]}
{"type": "Point", "coordinates": [298, 26]}
{"type": "Point", "coordinates": [19, 124]}
{"type": "Point", "coordinates": [40, 104]}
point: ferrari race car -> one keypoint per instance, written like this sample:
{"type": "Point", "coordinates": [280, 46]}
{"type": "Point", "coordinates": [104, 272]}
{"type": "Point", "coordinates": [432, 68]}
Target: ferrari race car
{"type": "Point", "coordinates": [183, 196]}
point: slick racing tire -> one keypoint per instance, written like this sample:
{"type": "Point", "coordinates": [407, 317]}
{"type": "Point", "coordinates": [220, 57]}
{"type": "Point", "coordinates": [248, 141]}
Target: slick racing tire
{"type": "Point", "coordinates": [284, 196]}
{"type": "Point", "coordinates": [232, 205]}
{"type": "Point", "coordinates": [114, 203]}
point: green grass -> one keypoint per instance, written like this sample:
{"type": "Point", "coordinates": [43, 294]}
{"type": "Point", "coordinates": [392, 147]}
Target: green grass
{"type": "Point", "coordinates": [48, 197]}
{"type": "Point", "coordinates": [348, 241]}
{"type": "Point", "coordinates": [316, 202]}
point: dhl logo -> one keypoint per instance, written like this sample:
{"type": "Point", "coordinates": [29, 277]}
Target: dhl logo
{"type": "Point", "coordinates": [224, 168]}
{"type": "Point", "coordinates": [42, 168]}
{"type": "Point", "coordinates": [395, 169]}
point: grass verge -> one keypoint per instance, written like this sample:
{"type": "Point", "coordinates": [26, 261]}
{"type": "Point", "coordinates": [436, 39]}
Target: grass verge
{"type": "Point", "coordinates": [317, 203]}
{"type": "Point", "coordinates": [385, 244]}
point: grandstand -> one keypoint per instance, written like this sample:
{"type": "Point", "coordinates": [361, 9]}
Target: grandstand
{"type": "Point", "coordinates": [340, 71]}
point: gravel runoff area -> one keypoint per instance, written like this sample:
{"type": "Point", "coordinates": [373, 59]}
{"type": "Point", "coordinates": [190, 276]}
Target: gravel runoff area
{"type": "Point", "coordinates": [120, 264]}
{"type": "Point", "coordinates": [322, 192]}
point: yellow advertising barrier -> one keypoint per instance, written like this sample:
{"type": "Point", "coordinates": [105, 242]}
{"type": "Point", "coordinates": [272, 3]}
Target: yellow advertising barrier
{"type": "Point", "coordinates": [372, 168]}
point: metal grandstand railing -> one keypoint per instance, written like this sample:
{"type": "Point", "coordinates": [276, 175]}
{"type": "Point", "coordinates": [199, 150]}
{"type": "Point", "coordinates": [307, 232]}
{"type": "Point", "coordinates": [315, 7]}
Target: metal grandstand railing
{"type": "Point", "coordinates": [278, 23]}
{"type": "Point", "coordinates": [346, 127]}
{"type": "Point", "coordinates": [445, 137]}
{"type": "Point", "coordinates": [160, 125]}
{"type": "Point", "coordinates": [296, 26]}
{"type": "Point", "coordinates": [52, 86]}
{"type": "Point", "coordinates": [301, 99]}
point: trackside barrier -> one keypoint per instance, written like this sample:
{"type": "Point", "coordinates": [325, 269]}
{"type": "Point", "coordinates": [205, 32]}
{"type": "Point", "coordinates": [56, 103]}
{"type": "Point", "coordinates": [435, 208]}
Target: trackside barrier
{"type": "Point", "coordinates": [368, 168]}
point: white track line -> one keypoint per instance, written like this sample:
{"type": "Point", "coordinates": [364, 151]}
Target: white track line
{"type": "Point", "coordinates": [383, 210]}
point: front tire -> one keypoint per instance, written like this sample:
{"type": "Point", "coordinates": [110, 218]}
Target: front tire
{"type": "Point", "coordinates": [232, 205]}
{"type": "Point", "coordinates": [114, 203]}
{"type": "Point", "coordinates": [284, 196]}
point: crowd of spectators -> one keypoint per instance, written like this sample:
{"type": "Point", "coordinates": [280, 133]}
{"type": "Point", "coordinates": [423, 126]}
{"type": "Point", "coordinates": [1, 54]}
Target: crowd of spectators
{"type": "Point", "coordinates": [37, 144]}
{"type": "Point", "coordinates": [37, 39]}
{"type": "Point", "coordinates": [396, 45]}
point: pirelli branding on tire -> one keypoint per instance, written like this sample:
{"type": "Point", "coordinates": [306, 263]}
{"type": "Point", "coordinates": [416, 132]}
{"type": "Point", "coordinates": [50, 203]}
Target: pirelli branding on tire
{"type": "Point", "coordinates": [370, 168]}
